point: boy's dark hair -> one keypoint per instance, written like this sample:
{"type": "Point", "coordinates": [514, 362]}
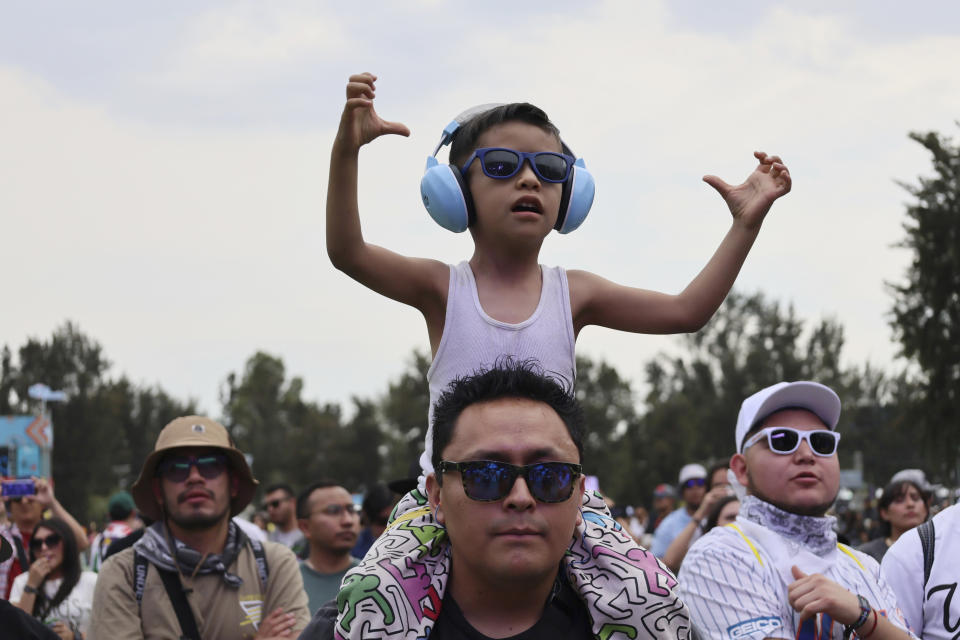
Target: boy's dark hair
{"type": "Point", "coordinates": [303, 500]}
{"type": "Point", "coordinates": [279, 486]}
{"type": "Point", "coordinates": [893, 491]}
{"type": "Point", "coordinates": [70, 567]}
{"type": "Point", "coordinates": [506, 379]}
{"type": "Point", "coordinates": [465, 138]}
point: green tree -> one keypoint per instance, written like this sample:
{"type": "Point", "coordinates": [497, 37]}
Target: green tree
{"type": "Point", "coordinates": [926, 308]}
{"type": "Point", "coordinates": [403, 410]}
{"type": "Point", "coordinates": [693, 398]}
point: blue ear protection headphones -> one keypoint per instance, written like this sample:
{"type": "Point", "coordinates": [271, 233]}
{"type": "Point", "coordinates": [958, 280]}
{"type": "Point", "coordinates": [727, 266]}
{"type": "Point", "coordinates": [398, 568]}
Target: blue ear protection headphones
{"type": "Point", "coordinates": [447, 198]}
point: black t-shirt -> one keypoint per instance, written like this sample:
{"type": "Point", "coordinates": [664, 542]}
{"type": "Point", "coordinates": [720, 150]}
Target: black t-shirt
{"type": "Point", "coordinates": [564, 616]}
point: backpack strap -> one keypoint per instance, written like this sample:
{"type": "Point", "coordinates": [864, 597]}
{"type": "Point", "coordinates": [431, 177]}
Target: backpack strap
{"type": "Point", "coordinates": [178, 598]}
{"type": "Point", "coordinates": [140, 564]}
{"type": "Point", "coordinates": [260, 556]}
{"type": "Point", "coordinates": [927, 534]}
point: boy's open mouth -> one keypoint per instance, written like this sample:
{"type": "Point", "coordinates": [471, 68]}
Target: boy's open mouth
{"type": "Point", "coordinates": [527, 203]}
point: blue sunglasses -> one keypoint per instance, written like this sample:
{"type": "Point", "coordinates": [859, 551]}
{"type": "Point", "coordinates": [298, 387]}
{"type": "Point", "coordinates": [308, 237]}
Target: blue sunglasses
{"type": "Point", "coordinates": [500, 163]}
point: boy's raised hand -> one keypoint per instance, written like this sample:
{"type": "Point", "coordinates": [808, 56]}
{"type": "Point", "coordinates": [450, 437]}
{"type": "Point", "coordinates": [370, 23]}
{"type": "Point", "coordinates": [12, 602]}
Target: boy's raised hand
{"type": "Point", "coordinates": [750, 201]}
{"type": "Point", "coordinates": [360, 123]}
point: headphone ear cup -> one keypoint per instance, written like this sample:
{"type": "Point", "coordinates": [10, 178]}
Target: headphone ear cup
{"type": "Point", "coordinates": [445, 195]}
{"type": "Point", "coordinates": [576, 199]}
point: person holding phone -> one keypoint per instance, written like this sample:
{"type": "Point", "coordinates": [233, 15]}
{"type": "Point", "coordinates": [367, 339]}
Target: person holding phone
{"type": "Point", "coordinates": [26, 511]}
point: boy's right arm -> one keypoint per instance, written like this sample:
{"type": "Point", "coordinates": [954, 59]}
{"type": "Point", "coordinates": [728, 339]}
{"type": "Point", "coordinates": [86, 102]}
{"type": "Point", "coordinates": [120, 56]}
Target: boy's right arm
{"type": "Point", "coordinates": [418, 282]}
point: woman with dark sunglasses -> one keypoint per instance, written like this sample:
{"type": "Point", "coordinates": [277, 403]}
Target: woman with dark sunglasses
{"type": "Point", "coordinates": [55, 590]}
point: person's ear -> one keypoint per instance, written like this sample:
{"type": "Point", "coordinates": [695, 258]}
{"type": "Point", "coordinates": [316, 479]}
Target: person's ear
{"type": "Point", "coordinates": [579, 493]}
{"type": "Point", "coordinates": [433, 495]}
{"type": "Point", "coordinates": [738, 464]}
{"type": "Point", "coordinates": [304, 525]}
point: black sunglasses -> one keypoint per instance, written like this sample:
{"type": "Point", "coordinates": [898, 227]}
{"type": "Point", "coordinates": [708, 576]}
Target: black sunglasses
{"type": "Point", "coordinates": [488, 480]}
{"type": "Point", "coordinates": [273, 504]}
{"type": "Point", "coordinates": [51, 541]}
{"type": "Point", "coordinates": [177, 468]}
{"type": "Point", "coordinates": [500, 163]}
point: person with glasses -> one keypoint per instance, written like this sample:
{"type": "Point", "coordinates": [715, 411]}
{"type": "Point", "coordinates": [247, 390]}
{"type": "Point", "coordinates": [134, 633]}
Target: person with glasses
{"type": "Point", "coordinates": [195, 573]}
{"type": "Point", "coordinates": [25, 513]}
{"type": "Point", "coordinates": [778, 570]}
{"type": "Point", "coordinates": [499, 547]}
{"type": "Point", "coordinates": [54, 589]}
{"type": "Point", "coordinates": [279, 502]}
{"type": "Point", "coordinates": [692, 482]}
{"type": "Point", "coordinates": [330, 523]}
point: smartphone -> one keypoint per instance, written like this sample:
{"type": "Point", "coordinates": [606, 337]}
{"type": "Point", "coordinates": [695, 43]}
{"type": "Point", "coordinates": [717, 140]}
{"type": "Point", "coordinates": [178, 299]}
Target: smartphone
{"type": "Point", "coordinates": [18, 488]}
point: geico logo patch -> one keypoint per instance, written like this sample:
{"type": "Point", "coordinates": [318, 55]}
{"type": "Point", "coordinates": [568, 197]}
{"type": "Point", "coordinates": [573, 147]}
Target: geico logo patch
{"type": "Point", "coordinates": [763, 626]}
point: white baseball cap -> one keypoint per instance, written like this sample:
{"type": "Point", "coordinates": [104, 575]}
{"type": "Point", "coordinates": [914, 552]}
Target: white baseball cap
{"type": "Point", "coordinates": [691, 471]}
{"type": "Point", "coordinates": [812, 396]}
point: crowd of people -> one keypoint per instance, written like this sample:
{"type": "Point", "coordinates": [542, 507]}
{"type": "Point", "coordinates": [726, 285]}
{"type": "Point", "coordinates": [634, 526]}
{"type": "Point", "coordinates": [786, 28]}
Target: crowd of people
{"type": "Point", "coordinates": [499, 537]}
{"type": "Point", "coordinates": [750, 546]}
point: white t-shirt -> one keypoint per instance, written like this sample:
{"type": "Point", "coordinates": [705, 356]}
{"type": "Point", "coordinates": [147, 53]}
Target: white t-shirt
{"type": "Point", "coordinates": [928, 609]}
{"type": "Point", "coordinates": [737, 589]}
{"type": "Point", "coordinates": [75, 610]}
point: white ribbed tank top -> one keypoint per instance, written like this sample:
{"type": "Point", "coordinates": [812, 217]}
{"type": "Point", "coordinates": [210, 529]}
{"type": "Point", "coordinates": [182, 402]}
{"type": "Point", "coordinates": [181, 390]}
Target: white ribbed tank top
{"type": "Point", "coordinates": [472, 340]}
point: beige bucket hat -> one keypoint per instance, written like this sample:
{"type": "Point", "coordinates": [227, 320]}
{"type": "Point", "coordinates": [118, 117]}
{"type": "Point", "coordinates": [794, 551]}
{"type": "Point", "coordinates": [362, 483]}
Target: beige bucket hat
{"type": "Point", "coordinates": [192, 431]}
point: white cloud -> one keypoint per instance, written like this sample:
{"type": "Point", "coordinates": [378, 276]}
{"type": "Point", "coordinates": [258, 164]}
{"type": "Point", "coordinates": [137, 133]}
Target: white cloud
{"type": "Point", "coordinates": [184, 249]}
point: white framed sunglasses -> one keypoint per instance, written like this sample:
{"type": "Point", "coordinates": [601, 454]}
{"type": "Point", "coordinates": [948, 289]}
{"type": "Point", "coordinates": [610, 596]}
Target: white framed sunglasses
{"type": "Point", "coordinates": [786, 440]}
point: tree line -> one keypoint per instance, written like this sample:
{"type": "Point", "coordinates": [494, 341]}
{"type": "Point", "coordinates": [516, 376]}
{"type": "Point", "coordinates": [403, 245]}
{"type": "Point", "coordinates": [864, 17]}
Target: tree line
{"type": "Point", "coordinates": [687, 411]}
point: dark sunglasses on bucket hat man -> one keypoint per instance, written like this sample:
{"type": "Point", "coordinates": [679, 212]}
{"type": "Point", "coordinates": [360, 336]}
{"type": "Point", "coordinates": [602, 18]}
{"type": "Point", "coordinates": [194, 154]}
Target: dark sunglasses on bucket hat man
{"type": "Point", "coordinates": [193, 431]}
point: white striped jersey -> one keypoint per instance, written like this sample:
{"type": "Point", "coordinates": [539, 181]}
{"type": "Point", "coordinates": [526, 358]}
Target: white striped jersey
{"type": "Point", "coordinates": [734, 588]}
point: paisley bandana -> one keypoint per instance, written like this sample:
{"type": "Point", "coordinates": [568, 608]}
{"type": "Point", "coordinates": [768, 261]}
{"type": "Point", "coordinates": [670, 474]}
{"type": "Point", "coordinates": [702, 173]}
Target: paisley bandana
{"type": "Point", "coordinates": [397, 591]}
{"type": "Point", "coordinates": [816, 535]}
{"type": "Point", "coordinates": [153, 546]}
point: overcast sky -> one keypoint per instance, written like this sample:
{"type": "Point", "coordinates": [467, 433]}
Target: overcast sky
{"type": "Point", "coordinates": [163, 165]}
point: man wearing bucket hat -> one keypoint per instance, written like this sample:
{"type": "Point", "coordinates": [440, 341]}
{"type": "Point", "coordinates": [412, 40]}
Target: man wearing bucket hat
{"type": "Point", "coordinates": [778, 571]}
{"type": "Point", "coordinates": [195, 574]}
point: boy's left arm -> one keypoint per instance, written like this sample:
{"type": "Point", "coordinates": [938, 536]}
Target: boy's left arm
{"type": "Point", "coordinates": [595, 300]}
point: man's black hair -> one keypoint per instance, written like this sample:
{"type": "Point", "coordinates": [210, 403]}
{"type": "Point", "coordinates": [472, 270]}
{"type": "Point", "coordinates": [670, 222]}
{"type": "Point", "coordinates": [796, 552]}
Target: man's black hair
{"type": "Point", "coordinates": [378, 498]}
{"type": "Point", "coordinates": [303, 500]}
{"type": "Point", "coordinates": [893, 491]}
{"type": "Point", "coordinates": [279, 486]}
{"type": "Point", "coordinates": [506, 379]}
{"type": "Point", "coordinates": [465, 138]}
{"type": "Point", "coordinates": [717, 467]}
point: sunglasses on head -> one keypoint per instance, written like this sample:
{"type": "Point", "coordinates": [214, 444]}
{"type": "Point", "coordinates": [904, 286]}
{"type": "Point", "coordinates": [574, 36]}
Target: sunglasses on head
{"type": "Point", "coordinates": [784, 440]}
{"type": "Point", "coordinates": [50, 541]}
{"type": "Point", "coordinates": [694, 482]}
{"type": "Point", "coordinates": [489, 481]}
{"type": "Point", "coordinates": [177, 468]}
{"type": "Point", "coordinates": [500, 163]}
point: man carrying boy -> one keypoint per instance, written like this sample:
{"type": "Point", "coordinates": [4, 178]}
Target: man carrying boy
{"type": "Point", "coordinates": [515, 176]}
{"type": "Point", "coordinates": [508, 490]}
